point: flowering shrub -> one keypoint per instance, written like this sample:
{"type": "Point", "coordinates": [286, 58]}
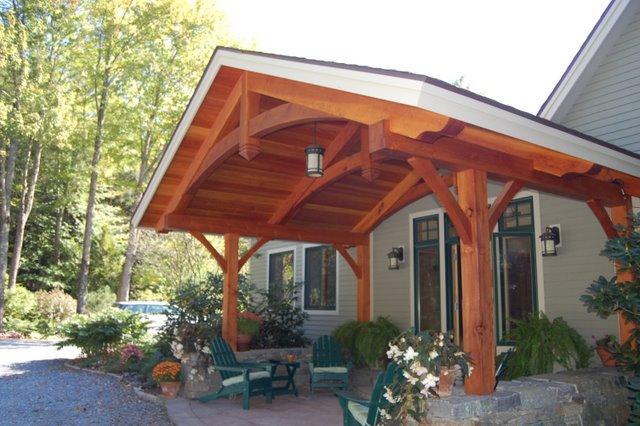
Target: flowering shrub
{"type": "Point", "coordinates": [420, 358]}
{"type": "Point", "coordinates": [130, 351]}
{"type": "Point", "coordinates": [166, 371]}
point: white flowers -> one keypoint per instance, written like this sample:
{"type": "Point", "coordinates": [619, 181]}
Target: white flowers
{"type": "Point", "coordinates": [390, 397]}
{"type": "Point", "coordinates": [384, 414]}
{"type": "Point", "coordinates": [410, 354]}
{"type": "Point", "coordinates": [206, 350]}
{"type": "Point", "coordinates": [394, 352]}
{"type": "Point", "coordinates": [433, 354]}
{"type": "Point", "coordinates": [177, 349]}
{"type": "Point", "coordinates": [410, 378]}
{"type": "Point", "coordinates": [429, 381]}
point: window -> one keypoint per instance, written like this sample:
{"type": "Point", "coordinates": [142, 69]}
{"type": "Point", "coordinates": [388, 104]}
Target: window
{"type": "Point", "coordinates": [320, 278]}
{"type": "Point", "coordinates": [280, 272]}
{"type": "Point", "coordinates": [426, 229]}
{"type": "Point", "coordinates": [514, 248]}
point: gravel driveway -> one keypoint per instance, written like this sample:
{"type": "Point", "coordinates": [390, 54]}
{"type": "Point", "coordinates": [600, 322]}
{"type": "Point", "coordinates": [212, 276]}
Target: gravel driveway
{"type": "Point", "coordinates": [36, 389]}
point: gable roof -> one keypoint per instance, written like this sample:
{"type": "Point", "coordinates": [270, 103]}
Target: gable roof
{"type": "Point", "coordinates": [400, 87]}
{"type": "Point", "coordinates": [605, 32]}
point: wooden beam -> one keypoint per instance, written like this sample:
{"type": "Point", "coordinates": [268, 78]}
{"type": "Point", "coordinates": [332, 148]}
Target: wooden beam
{"type": "Point", "coordinates": [225, 148]}
{"type": "Point", "coordinates": [355, 267]}
{"type": "Point", "coordinates": [382, 208]}
{"type": "Point", "coordinates": [211, 225]}
{"type": "Point", "coordinates": [254, 248]}
{"type": "Point", "coordinates": [220, 260]}
{"type": "Point", "coordinates": [230, 291]}
{"type": "Point", "coordinates": [363, 284]}
{"type": "Point", "coordinates": [286, 115]}
{"type": "Point", "coordinates": [249, 145]}
{"type": "Point", "coordinates": [509, 190]}
{"type": "Point", "coordinates": [477, 284]}
{"type": "Point", "coordinates": [306, 188]}
{"type": "Point", "coordinates": [621, 216]}
{"type": "Point", "coordinates": [221, 122]}
{"type": "Point", "coordinates": [425, 169]}
{"type": "Point", "coordinates": [370, 170]}
{"type": "Point", "coordinates": [458, 155]}
{"type": "Point", "coordinates": [601, 214]}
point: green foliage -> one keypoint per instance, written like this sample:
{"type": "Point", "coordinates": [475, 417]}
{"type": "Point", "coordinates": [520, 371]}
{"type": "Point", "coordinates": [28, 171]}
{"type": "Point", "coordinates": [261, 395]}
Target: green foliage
{"type": "Point", "coordinates": [539, 343]}
{"type": "Point", "coordinates": [20, 303]}
{"type": "Point", "coordinates": [282, 321]}
{"type": "Point", "coordinates": [196, 314]}
{"type": "Point", "coordinates": [104, 333]}
{"type": "Point", "coordinates": [366, 342]}
{"type": "Point", "coordinates": [248, 326]}
{"type": "Point", "coordinates": [100, 300]}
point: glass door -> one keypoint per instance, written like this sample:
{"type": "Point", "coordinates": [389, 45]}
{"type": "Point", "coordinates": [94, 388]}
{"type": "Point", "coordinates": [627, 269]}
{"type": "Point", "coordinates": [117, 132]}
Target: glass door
{"type": "Point", "coordinates": [515, 278]}
{"type": "Point", "coordinates": [428, 288]}
{"type": "Point", "coordinates": [454, 289]}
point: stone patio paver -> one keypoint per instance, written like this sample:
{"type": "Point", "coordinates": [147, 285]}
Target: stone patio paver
{"type": "Point", "coordinates": [320, 409]}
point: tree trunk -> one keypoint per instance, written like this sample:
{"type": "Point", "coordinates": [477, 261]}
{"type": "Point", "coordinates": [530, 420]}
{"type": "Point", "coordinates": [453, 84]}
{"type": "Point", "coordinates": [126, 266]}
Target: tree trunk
{"type": "Point", "coordinates": [127, 268]}
{"type": "Point", "coordinates": [57, 236]}
{"type": "Point", "coordinates": [28, 194]}
{"type": "Point", "coordinates": [83, 276]}
{"type": "Point", "coordinates": [8, 174]}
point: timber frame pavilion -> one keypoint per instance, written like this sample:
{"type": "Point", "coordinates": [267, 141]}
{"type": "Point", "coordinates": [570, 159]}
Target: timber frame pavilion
{"type": "Point", "coordinates": [236, 166]}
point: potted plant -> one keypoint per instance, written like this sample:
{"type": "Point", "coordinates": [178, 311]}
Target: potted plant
{"type": "Point", "coordinates": [168, 374]}
{"type": "Point", "coordinates": [423, 360]}
{"type": "Point", "coordinates": [605, 347]}
{"type": "Point", "coordinates": [248, 326]}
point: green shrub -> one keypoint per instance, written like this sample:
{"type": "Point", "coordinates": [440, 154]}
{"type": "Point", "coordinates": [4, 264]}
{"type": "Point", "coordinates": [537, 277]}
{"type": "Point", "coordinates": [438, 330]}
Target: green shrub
{"type": "Point", "coordinates": [53, 307]}
{"type": "Point", "coordinates": [100, 300]}
{"type": "Point", "coordinates": [103, 333]}
{"type": "Point", "coordinates": [367, 342]}
{"type": "Point", "coordinates": [539, 343]}
{"type": "Point", "coordinates": [282, 321]}
{"type": "Point", "coordinates": [20, 303]}
{"type": "Point", "coordinates": [248, 326]}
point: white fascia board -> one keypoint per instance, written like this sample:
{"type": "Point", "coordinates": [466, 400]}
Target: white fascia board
{"type": "Point", "coordinates": [402, 90]}
{"type": "Point", "coordinates": [589, 58]}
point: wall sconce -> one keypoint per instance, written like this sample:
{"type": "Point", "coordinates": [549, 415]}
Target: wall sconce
{"type": "Point", "coordinates": [396, 256]}
{"type": "Point", "coordinates": [550, 240]}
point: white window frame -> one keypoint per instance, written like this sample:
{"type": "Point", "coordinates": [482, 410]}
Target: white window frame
{"type": "Point", "coordinates": [276, 251]}
{"type": "Point", "coordinates": [336, 311]}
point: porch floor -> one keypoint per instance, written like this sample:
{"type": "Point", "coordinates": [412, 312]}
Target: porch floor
{"type": "Point", "coordinates": [321, 408]}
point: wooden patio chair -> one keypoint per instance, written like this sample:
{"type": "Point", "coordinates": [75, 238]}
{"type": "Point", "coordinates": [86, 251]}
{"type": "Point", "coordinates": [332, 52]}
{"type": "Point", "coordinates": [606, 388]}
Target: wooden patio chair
{"type": "Point", "coordinates": [248, 379]}
{"type": "Point", "coordinates": [357, 411]}
{"type": "Point", "coordinates": [328, 368]}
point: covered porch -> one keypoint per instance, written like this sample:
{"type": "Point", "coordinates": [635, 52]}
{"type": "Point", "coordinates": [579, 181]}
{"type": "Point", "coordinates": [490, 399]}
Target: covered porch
{"type": "Point", "coordinates": [236, 166]}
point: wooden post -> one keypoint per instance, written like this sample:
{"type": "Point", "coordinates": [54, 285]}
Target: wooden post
{"type": "Point", "coordinates": [620, 216]}
{"type": "Point", "coordinates": [477, 285]}
{"type": "Point", "coordinates": [230, 291]}
{"type": "Point", "coordinates": [363, 290]}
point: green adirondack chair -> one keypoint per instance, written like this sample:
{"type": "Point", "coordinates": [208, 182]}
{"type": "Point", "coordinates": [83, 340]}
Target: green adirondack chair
{"type": "Point", "coordinates": [328, 369]}
{"type": "Point", "coordinates": [248, 379]}
{"type": "Point", "coordinates": [359, 412]}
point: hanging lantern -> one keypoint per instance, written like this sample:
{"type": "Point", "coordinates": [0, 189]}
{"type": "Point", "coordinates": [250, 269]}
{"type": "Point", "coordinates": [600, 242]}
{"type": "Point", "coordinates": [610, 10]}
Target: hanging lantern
{"type": "Point", "coordinates": [396, 255]}
{"type": "Point", "coordinates": [550, 239]}
{"type": "Point", "coordinates": [315, 154]}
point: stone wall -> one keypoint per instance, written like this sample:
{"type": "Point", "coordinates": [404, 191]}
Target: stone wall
{"type": "Point", "coordinates": [592, 396]}
{"type": "Point", "coordinates": [199, 379]}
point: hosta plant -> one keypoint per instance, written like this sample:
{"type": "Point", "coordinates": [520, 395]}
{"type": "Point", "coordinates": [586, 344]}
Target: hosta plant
{"type": "Point", "coordinates": [420, 357]}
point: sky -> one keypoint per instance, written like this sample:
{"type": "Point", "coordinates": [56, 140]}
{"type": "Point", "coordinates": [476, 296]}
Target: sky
{"type": "Point", "coordinates": [512, 51]}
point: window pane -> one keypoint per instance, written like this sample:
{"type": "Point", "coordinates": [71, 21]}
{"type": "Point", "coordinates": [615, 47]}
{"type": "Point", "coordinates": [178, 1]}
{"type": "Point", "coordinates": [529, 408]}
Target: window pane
{"type": "Point", "coordinates": [429, 288]}
{"type": "Point", "coordinates": [518, 216]}
{"type": "Point", "coordinates": [280, 272]}
{"type": "Point", "coordinates": [320, 278]}
{"type": "Point", "coordinates": [515, 289]}
{"type": "Point", "coordinates": [427, 229]}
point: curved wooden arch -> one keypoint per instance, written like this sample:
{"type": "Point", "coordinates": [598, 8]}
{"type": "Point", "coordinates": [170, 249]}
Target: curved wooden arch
{"type": "Point", "coordinates": [286, 115]}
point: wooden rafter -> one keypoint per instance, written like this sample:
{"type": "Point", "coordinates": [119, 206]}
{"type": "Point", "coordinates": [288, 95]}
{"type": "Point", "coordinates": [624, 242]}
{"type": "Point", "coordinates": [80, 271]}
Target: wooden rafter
{"type": "Point", "coordinates": [370, 169]}
{"type": "Point", "coordinates": [204, 224]}
{"type": "Point", "coordinates": [249, 146]}
{"type": "Point", "coordinates": [177, 201]}
{"type": "Point", "coordinates": [459, 155]}
{"type": "Point", "coordinates": [220, 260]}
{"type": "Point", "coordinates": [286, 115]}
{"type": "Point", "coordinates": [225, 148]}
{"type": "Point", "coordinates": [425, 169]}
{"type": "Point", "coordinates": [355, 267]}
{"type": "Point", "coordinates": [603, 217]}
{"type": "Point", "coordinates": [254, 248]}
{"type": "Point", "coordinates": [384, 206]}
{"type": "Point", "coordinates": [509, 190]}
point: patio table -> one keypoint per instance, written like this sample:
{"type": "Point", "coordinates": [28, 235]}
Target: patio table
{"type": "Point", "coordinates": [290, 386]}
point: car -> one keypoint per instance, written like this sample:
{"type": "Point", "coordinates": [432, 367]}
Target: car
{"type": "Point", "coordinates": [153, 312]}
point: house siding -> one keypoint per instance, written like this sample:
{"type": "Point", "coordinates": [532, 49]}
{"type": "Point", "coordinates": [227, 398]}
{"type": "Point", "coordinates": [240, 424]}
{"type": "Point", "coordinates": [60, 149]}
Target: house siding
{"type": "Point", "coordinates": [609, 105]}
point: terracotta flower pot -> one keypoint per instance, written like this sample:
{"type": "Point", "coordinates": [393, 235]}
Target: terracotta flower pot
{"type": "Point", "coordinates": [170, 389]}
{"type": "Point", "coordinates": [447, 379]}
{"type": "Point", "coordinates": [606, 356]}
{"type": "Point", "coordinates": [244, 342]}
